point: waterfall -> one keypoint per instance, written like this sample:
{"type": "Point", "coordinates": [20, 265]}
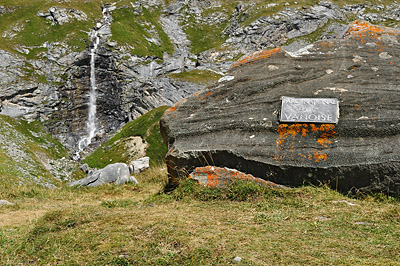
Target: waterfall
{"type": "Point", "coordinates": [91, 122]}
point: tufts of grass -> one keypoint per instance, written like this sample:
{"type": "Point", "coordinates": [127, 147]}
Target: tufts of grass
{"type": "Point", "coordinates": [194, 225]}
{"type": "Point", "coordinates": [196, 76]}
{"type": "Point", "coordinates": [236, 191]}
{"type": "Point", "coordinates": [147, 127]}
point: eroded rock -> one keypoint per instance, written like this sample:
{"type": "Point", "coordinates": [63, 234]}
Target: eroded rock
{"type": "Point", "coordinates": [139, 165]}
{"type": "Point", "coordinates": [217, 177]}
{"type": "Point", "coordinates": [117, 173]}
{"type": "Point", "coordinates": [235, 123]}
{"type": "Point", "coordinates": [59, 15]}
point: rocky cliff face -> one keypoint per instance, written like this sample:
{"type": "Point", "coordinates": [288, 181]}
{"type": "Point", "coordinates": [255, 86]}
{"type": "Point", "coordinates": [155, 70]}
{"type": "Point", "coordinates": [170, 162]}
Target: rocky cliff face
{"type": "Point", "coordinates": [151, 54]}
{"type": "Point", "coordinates": [236, 123]}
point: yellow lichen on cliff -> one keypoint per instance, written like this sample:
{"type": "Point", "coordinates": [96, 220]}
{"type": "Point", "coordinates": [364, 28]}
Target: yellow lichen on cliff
{"type": "Point", "coordinates": [263, 54]}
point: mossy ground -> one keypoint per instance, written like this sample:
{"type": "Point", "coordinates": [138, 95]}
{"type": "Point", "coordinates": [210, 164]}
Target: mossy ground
{"type": "Point", "coordinates": [141, 225]}
{"type": "Point", "coordinates": [147, 127]}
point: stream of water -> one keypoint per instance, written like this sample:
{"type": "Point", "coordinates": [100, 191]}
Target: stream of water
{"type": "Point", "coordinates": [91, 123]}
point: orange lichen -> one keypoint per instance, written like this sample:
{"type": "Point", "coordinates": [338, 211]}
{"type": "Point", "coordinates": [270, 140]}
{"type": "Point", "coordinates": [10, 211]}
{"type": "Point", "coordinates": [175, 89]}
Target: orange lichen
{"type": "Point", "coordinates": [170, 110]}
{"type": "Point", "coordinates": [173, 108]}
{"type": "Point", "coordinates": [289, 137]}
{"type": "Point", "coordinates": [212, 176]}
{"type": "Point", "coordinates": [263, 54]}
{"type": "Point", "coordinates": [360, 30]}
{"type": "Point", "coordinates": [326, 44]}
{"type": "Point", "coordinates": [320, 157]}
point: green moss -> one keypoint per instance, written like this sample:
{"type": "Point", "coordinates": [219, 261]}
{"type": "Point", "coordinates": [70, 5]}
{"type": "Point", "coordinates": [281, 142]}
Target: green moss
{"type": "Point", "coordinates": [196, 76]}
{"type": "Point", "coordinates": [147, 127]}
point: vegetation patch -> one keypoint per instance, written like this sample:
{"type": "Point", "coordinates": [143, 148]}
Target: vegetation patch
{"type": "Point", "coordinates": [203, 36]}
{"type": "Point", "coordinates": [138, 31]}
{"type": "Point", "coordinates": [25, 149]}
{"type": "Point", "coordinates": [196, 76]}
{"type": "Point", "coordinates": [131, 225]}
{"type": "Point", "coordinates": [147, 127]}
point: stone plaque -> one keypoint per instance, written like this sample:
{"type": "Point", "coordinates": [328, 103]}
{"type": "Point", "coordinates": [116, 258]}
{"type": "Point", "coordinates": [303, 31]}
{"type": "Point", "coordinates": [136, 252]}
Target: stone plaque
{"type": "Point", "coordinates": [310, 110]}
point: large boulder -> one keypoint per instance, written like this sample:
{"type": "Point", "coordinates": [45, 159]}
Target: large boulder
{"type": "Point", "coordinates": [220, 177]}
{"type": "Point", "coordinates": [117, 173]}
{"type": "Point", "coordinates": [236, 124]}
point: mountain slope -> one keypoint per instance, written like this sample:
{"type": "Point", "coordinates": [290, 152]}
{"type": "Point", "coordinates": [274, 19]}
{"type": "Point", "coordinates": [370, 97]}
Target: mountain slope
{"type": "Point", "coordinates": [28, 154]}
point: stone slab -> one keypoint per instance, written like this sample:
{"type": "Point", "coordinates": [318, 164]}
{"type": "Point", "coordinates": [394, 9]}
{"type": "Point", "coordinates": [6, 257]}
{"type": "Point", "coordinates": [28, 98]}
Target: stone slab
{"type": "Point", "coordinates": [309, 110]}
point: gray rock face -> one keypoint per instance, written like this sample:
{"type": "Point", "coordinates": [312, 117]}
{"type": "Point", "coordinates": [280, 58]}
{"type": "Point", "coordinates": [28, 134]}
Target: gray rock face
{"type": "Point", "coordinates": [117, 173]}
{"type": "Point", "coordinates": [54, 87]}
{"type": "Point", "coordinates": [236, 124]}
{"type": "Point", "coordinates": [59, 15]}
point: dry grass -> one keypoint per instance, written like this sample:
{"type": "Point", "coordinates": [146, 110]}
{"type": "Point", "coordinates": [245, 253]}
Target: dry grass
{"type": "Point", "coordinates": [139, 225]}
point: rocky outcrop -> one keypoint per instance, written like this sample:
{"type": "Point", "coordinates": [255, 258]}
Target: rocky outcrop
{"type": "Point", "coordinates": [117, 173]}
{"type": "Point", "coordinates": [235, 123]}
{"type": "Point", "coordinates": [69, 123]}
{"type": "Point", "coordinates": [58, 15]}
{"type": "Point", "coordinates": [139, 165]}
{"type": "Point", "coordinates": [218, 177]}
{"type": "Point", "coordinates": [53, 86]}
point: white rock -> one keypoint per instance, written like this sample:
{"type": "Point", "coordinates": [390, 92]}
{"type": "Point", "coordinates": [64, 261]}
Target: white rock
{"type": "Point", "coordinates": [139, 165]}
{"type": "Point", "coordinates": [385, 55]}
{"type": "Point", "coordinates": [5, 203]}
{"type": "Point", "coordinates": [226, 78]}
{"type": "Point", "coordinates": [237, 259]}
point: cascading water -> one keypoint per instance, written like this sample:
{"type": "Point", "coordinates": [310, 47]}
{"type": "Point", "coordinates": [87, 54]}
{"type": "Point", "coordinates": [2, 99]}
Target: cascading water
{"type": "Point", "coordinates": [92, 120]}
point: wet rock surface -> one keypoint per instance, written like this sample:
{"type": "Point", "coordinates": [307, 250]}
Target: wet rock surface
{"type": "Point", "coordinates": [235, 123]}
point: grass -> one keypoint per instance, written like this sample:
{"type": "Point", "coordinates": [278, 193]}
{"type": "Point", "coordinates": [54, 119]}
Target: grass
{"type": "Point", "coordinates": [24, 152]}
{"type": "Point", "coordinates": [196, 76]}
{"type": "Point", "coordinates": [127, 28]}
{"type": "Point", "coordinates": [140, 225]}
{"type": "Point", "coordinates": [147, 127]}
{"type": "Point", "coordinates": [134, 30]}
{"type": "Point", "coordinates": [36, 30]}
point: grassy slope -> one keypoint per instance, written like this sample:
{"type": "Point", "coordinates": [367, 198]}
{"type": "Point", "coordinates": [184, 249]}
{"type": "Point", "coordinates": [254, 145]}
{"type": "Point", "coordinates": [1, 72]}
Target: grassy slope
{"type": "Point", "coordinates": [37, 30]}
{"type": "Point", "coordinates": [146, 126]}
{"type": "Point", "coordinates": [196, 76]}
{"type": "Point", "coordinates": [131, 29]}
{"type": "Point", "coordinates": [127, 28]}
{"type": "Point", "coordinates": [24, 146]}
{"type": "Point", "coordinates": [135, 225]}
